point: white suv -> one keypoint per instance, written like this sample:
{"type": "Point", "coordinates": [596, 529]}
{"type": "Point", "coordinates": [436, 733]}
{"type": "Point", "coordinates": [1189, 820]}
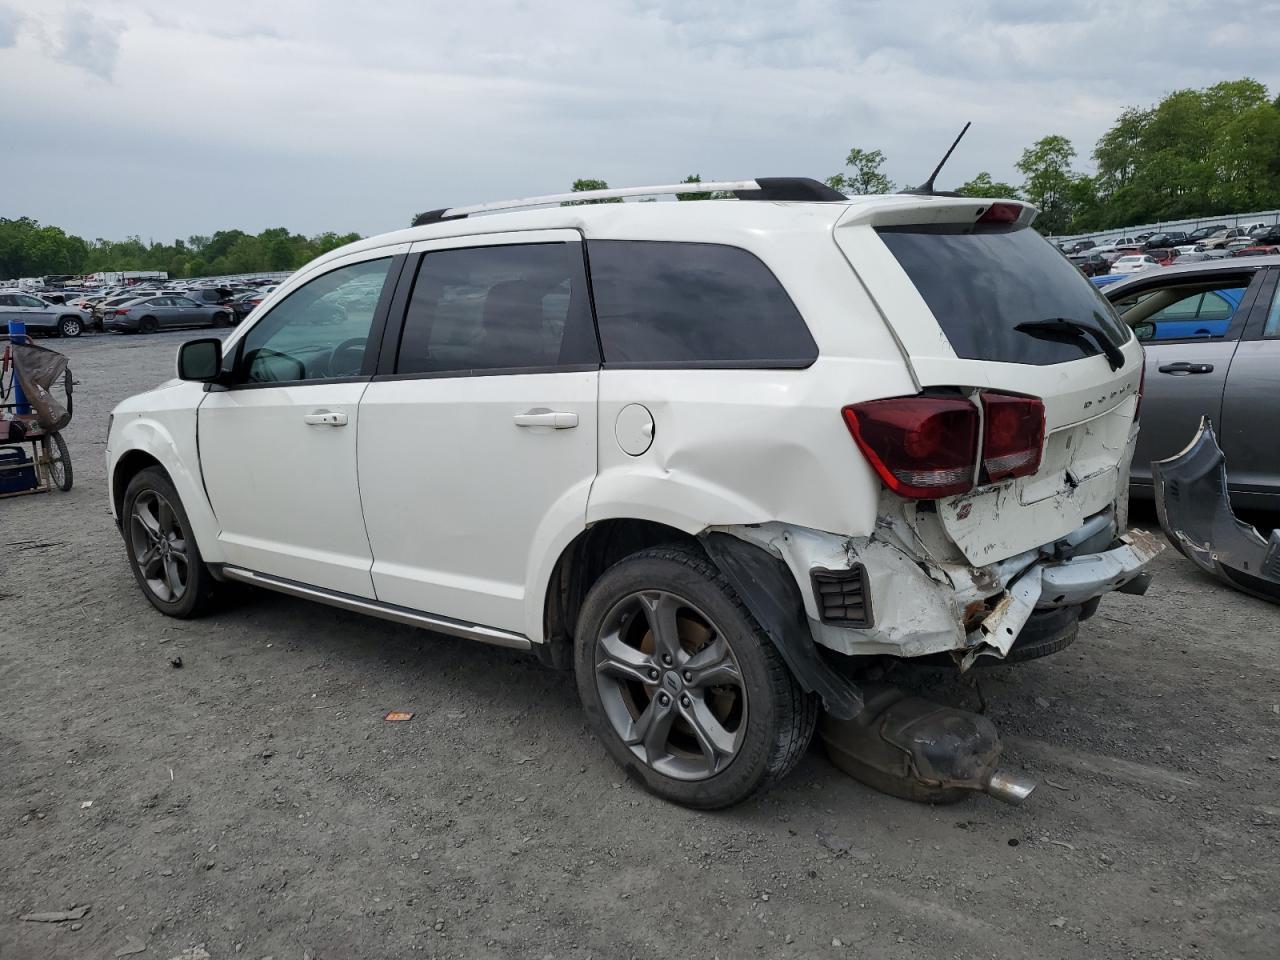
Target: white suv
{"type": "Point", "coordinates": [713, 455]}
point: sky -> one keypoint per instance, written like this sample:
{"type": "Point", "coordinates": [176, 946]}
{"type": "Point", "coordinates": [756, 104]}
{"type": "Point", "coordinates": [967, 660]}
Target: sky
{"type": "Point", "coordinates": [171, 118]}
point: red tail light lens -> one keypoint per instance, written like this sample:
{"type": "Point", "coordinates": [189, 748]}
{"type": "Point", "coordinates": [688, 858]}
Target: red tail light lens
{"type": "Point", "coordinates": [923, 448]}
{"type": "Point", "coordinates": [1013, 435]}
{"type": "Point", "coordinates": [1001, 213]}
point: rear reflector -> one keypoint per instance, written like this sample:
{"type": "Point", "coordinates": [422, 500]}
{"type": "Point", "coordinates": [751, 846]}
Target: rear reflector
{"type": "Point", "coordinates": [1001, 213]}
{"type": "Point", "coordinates": [1013, 435]}
{"type": "Point", "coordinates": [922, 447]}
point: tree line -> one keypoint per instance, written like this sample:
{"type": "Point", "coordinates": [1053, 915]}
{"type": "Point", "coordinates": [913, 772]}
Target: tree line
{"type": "Point", "coordinates": [29, 249]}
{"type": "Point", "coordinates": [1196, 153]}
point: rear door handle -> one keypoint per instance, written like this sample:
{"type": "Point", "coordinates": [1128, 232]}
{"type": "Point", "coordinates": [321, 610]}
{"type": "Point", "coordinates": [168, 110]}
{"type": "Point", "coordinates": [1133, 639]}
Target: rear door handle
{"type": "Point", "coordinates": [325, 418]}
{"type": "Point", "coordinates": [1186, 368]}
{"type": "Point", "coordinates": [557, 419]}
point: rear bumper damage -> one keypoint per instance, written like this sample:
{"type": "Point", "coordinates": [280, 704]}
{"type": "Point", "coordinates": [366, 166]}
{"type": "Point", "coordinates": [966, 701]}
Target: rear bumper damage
{"type": "Point", "coordinates": [1194, 506]}
{"type": "Point", "coordinates": [918, 605]}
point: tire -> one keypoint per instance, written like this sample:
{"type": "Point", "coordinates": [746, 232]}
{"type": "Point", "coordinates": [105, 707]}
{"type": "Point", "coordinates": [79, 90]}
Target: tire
{"type": "Point", "coordinates": [751, 728]}
{"type": "Point", "coordinates": [59, 460]}
{"type": "Point", "coordinates": [150, 492]}
{"type": "Point", "coordinates": [70, 327]}
{"type": "Point", "coordinates": [148, 325]}
{"type": "Point", "coordinates": [221, 320]}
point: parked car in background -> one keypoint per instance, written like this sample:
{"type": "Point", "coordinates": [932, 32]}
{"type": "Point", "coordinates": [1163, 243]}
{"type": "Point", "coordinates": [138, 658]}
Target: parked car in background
{"type": "Point", "coordinates": [244, 304]}
{"type": "Point", "coordinates": [1134, 263]}
{"type": "Point", "coordinates": [1091, 264]}
{"type": "Point", "coordinates": [1109, 245]}
{"type": "Point", "coordinates": [1265, 235]}
{"type": "Point", "coordinates": [1205, 232]}
{"type": "Point", "coordinates": [1212, 336]}
{"type": "Point", "coordinates": [1257, 250]}
{"type": "Point", "coordinates": [1163, 255]}
{"type": "Point", "coordinates": [1160, 241]}
{"type": "Point", "coordinates": [1220, 240]}
{"type": "Point", "coordinates": [1080, 246]}
{"type": "Point", "coordinates": [149, 314]}
{"type": "Point", "coordinates": [41, 316]}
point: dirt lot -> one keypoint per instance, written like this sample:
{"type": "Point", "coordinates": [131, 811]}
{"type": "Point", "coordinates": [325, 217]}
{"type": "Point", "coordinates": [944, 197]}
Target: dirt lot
{"type": "Point", "coordinates": [256, 803]}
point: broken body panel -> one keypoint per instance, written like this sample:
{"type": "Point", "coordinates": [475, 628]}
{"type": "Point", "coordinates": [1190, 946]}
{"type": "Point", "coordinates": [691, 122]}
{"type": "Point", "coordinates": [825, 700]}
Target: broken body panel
{"type": "Point", "coordinates": [1194, 507]}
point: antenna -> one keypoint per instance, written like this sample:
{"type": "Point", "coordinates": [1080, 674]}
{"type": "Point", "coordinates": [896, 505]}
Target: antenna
{"type": "Point", "coordinates": [927, 186]}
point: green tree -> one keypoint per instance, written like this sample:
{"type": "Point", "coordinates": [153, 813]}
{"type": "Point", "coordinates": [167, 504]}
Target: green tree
{"type": "Point", "coordinates": [580, 186]}
{"type": "Point", "coordinates": [983, 186]}
{"type": "Point", "coordinates": [862, 174]}
{"type": "Point", "coordinates": [1046, 165]}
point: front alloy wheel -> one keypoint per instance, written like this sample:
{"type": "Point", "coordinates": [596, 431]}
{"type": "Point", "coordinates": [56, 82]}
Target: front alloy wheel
{"type": "Point", "coordinates": [159, 547]}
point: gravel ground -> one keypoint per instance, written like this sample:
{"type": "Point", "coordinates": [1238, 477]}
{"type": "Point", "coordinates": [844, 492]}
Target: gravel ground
{"type": "Point", "coordinates": [254, 802]}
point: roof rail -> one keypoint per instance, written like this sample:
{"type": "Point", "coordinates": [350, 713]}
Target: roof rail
{"type": "Point", "coordinates": [761, 188]}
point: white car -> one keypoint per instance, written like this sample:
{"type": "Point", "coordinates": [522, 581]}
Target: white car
{"type": "Point", "coordinates": [716, 456]}
{"type": "Point", "coordinates": [1110, 246]}
{"type": "Point", "coordinates": [1134, 263]}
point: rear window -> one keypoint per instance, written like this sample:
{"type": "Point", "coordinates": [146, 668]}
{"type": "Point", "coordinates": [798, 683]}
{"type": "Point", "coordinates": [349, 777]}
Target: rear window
{"type": "Point", "coordinates": [669, 304]}
{"type": "Point", "coordinates": [981, 282]}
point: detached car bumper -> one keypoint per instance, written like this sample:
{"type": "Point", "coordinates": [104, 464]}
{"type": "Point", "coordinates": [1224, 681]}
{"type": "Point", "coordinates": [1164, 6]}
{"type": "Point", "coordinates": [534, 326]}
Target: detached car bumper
{"type": "Point", "coordinates": [1194, 506]}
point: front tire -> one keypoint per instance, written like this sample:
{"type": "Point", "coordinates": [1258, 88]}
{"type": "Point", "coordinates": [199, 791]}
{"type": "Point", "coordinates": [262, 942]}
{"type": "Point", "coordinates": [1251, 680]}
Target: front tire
{"type": "Point", "coordinates": [163, 553]}
{"type": "Point", "coordinates": [70, 327]}
{"type": "Point", "coordinates": [682, 686]}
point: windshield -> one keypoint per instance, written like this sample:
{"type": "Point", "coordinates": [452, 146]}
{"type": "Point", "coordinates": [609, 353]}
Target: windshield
{"type": "Point", "coordinates": [981, 283]}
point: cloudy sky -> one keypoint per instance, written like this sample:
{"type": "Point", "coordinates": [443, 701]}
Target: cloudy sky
{"type": "Point", "coordinates": [171, 118]}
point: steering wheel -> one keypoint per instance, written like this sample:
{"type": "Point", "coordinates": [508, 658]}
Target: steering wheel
{"type": "Point", "coordinates": [347, 357]}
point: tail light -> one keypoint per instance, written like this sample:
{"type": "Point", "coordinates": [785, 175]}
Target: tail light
{"type": "Point", "coordinates": [120, 311]}
{"type": "Point", "coordinates": [925, 448]}
{"type": "Point", "coordinates": [1012, 436]}
{"type": "Point", "coordinates": [922, 447]}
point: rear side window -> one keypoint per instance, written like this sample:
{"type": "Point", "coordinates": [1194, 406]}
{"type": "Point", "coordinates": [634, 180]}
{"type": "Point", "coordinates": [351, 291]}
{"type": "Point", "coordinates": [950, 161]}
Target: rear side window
{"type": "Point", "coordinates": [982, 282]}
{"type": "Point", "coordinates": [693, 305]}
{"type": "Point", "coordinates": [498, 308]}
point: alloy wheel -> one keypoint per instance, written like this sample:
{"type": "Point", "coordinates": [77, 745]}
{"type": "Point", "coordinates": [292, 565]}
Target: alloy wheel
{"type": "Point", "coordinates": [670, 685]}
{"type": "Point", "coordinates": [159, 546]}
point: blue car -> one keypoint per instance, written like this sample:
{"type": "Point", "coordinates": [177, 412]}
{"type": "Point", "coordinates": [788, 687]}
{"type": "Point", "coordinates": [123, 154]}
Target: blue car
{"type": "Point", "coordinates": [1208, 315]}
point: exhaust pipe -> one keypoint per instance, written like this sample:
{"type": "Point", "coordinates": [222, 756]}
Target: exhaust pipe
{"type": "Point", "coordinates": [1009, 787]}
{"type": "Point", "coordinates": [919, 750]}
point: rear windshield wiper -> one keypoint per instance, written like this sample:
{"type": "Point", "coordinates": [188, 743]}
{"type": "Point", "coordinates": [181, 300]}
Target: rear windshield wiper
{"type": "Point", "coordinates": [1075, 330]}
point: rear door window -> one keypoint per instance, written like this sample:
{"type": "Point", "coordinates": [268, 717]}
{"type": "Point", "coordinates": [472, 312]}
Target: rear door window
{"type": "Point", "coordinates": [664, 304]}
{"type": "Point", "coordinates": [522, 307]}
{"type": "Point", "coordinates": [980, 282]}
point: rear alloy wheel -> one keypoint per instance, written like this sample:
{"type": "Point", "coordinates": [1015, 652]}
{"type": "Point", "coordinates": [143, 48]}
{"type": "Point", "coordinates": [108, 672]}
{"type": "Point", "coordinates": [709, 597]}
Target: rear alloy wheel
{"type": "Point", "coordinates": [70, 327]}
{"type": "Point", "coordinates": [164, 556]}
{"type": "Point", "coordinates": [221, 320]}
{"type": "Point", "coordinates": [682, 686]}
{"type": "Point", "coordinates": [148, 325]}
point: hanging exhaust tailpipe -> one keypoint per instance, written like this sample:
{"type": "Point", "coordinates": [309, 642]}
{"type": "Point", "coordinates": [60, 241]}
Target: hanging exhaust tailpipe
{"type": "Point", "coordinates": [919, 750]}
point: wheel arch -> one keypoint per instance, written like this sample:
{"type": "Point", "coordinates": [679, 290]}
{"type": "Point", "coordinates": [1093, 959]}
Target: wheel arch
{"type": "Point", "coordinates": [146, 442]}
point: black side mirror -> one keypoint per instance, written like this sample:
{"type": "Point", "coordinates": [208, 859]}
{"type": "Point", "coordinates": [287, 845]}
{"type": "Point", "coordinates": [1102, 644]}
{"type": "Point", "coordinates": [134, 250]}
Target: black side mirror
{"type": "Point", "coordinates": [1145, 330]}
{"type": "Point", "coordinates": [200, 360]}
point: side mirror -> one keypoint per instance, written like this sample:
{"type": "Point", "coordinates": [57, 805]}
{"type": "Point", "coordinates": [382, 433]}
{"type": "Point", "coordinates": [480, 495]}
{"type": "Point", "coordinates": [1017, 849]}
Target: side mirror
{"type": "Point", "coordinates": [1145, 330]}
{"type": "Point", "coordinates": [200, 360]}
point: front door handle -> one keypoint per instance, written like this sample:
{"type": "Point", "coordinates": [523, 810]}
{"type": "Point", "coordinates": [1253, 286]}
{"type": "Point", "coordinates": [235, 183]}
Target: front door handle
{"type": "Point", "coordinates": [557, 419]}
{"type": "Point", "coordinates": [325, 418]}
{"type": "Point", "coordinates": [1186, 368]}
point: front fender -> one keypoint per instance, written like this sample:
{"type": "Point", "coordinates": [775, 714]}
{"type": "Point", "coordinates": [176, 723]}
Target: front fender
{"type": "Point", "coordinates": [170, 438]}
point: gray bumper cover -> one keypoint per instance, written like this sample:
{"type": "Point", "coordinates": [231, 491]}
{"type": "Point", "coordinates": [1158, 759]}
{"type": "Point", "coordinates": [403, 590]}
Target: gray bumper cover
{"type": "Point", "coordinates": [1194, 506]}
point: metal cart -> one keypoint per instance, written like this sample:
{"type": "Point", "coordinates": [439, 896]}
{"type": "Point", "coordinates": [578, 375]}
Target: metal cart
{"type": "Point", "coordinates": [27, 373]}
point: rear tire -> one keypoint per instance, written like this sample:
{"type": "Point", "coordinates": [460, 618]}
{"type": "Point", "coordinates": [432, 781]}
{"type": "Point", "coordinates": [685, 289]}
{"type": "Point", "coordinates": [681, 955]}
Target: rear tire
{"type": "Point", "coordinates": [59, 460]}
{"type": "Point", "coordinates": [162, 551]}
{"type": "Point", "coordinates": [148, 325]}
{"type": "Point", "coordinates": [221, 320]}
{"type": "Point", "coordinates": [716, 719]}
{"type": "Point", "coordinates": [70, 327]}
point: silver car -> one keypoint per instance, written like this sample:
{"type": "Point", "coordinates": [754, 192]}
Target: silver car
{"type": "Point", "coordinates": [41, 316]}
{"type": "Point", "coordinates": [1211, 332]}
{"type": "Point", "coordinates": [149, 314]}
